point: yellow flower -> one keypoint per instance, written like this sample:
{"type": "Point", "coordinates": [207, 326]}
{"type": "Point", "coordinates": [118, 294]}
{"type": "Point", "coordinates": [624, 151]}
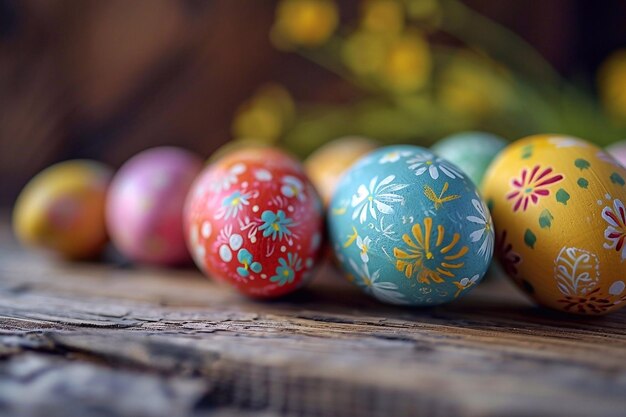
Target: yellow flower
{"type": "Point", "coordinates": [612, 84]}
{"type": "Point", "coordinates": [351, 238]}
{"type": "Point", "coordinates": [397, 63]}
{"type": "Point", "coordinates": [365, 52]}
{"type": "Point", "coordinates": [424, 10]}
{"type": "Point", "coordinates": [407, 63]}
{"type": "Point", "coordinates": [383, 16]}
{"type": "Point", "coordinates": [305, 23]}
{"type": "Point", "coordinates": [258, 123]}
{"type": "Point", "coordinates": [464, 284]}
{"type": "Point", "coordinates": [472, 87]}
{"type": "Point", "coordinates": [439, 200]}
{"type": "Point", "coordinates": [429, 262]}
{"type": "Point", "coordinates": [265, 116]}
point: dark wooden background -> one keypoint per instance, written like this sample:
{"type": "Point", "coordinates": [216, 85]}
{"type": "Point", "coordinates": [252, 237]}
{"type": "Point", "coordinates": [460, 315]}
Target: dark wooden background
{"type": "Point", "coordinates": [106, 79]}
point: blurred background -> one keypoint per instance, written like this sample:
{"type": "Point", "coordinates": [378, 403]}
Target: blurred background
{"type": "Point", "coordinates": [106, 79]}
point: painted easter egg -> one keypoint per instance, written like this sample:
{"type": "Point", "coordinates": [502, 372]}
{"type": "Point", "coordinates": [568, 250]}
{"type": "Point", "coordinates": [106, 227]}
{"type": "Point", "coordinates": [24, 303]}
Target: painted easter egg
{"type": "Point", "coordinates": [558, 208]}
{"type": "Point", "coordinates": [470, 151]}
{"type": "Point", "coordinates": [326, 165]}
{"type": "Point", "coordinates": [62, 209]}
{"type": "Point", "coordinates": [254, 220]}
{"type": "Point", "coordinates": [618, 151]}
{"type": "Point", "coordinates": [145, 205]}
{"type": "Point", "coordinates": [409, 228]}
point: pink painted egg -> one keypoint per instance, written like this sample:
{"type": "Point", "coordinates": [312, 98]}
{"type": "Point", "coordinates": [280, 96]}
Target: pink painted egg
{"type": "Point", "coordinates": [618, 151]}
{"type": "Point", "coordinates": [254, 221]}
{"type": "Point", "coordinates": [144, 210]}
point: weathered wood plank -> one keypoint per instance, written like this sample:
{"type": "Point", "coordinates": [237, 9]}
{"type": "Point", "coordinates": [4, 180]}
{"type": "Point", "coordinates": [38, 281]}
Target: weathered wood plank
{"type": "Point", "coordinates": [79, 339]}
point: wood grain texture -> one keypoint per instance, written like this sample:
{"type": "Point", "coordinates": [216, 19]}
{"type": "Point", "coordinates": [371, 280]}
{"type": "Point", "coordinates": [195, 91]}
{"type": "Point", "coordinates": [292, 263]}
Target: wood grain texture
{"type": "Point", "coordinates": [106, 340]}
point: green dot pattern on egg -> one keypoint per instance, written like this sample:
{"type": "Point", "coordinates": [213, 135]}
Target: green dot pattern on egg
{"type": "Point", "coordinates": [560, 220]}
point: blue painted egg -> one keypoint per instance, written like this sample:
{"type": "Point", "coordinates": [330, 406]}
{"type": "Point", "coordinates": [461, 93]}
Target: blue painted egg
{"type": "Point", "coordinates": [470, 151]}
{"type": "Point", "coordinates": [408, 227]}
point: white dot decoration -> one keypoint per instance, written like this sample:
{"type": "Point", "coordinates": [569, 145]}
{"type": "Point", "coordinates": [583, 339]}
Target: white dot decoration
{"type": "Point", "coordinates": [200, 252]}
{"type": "Point", "coordinates": [617, 288]}
{"type": "Point", "coordinates": [194, 233]}
{"type": "Point", "coordinates": [225, 254]}
{"type": "Point", "coordinates": [263, 175]}
{"type": "Point", "coordinates": [206, 230]}
{"type": "Point", "coordinates": [235, 241]}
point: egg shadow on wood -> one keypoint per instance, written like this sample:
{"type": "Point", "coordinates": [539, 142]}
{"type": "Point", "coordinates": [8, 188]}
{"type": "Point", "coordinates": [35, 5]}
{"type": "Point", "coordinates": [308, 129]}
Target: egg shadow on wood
{"type": "Point", "coordinates": [494, 304]}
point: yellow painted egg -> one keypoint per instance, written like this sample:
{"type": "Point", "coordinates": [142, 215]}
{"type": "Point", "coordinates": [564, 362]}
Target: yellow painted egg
{"type": "Point", "coordinates": [558, 206]}
{"type": "Point", "coordinates": [326, 165]}
{"type": "Point", "coordinates": [62, 209]}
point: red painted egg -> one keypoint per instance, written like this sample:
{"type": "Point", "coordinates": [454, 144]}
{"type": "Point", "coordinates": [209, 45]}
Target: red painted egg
{"type": "Point", "coordinates": [254, 220]}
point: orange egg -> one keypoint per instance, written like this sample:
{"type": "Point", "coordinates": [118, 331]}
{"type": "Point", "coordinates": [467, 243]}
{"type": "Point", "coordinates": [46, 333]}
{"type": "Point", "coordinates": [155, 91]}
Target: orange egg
{"type": "Point", "coordinates": [326, 165]}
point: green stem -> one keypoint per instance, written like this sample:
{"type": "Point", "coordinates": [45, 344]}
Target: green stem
{"type": "Point", "coordinates": [471, 27]}
{"type": "Point", "coordinates": [328, 57]}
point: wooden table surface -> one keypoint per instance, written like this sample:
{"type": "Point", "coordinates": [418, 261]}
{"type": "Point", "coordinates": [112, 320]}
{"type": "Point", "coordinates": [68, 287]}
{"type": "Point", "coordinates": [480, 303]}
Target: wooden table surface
{"type": "Point", "coordinates": [110, 340]}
